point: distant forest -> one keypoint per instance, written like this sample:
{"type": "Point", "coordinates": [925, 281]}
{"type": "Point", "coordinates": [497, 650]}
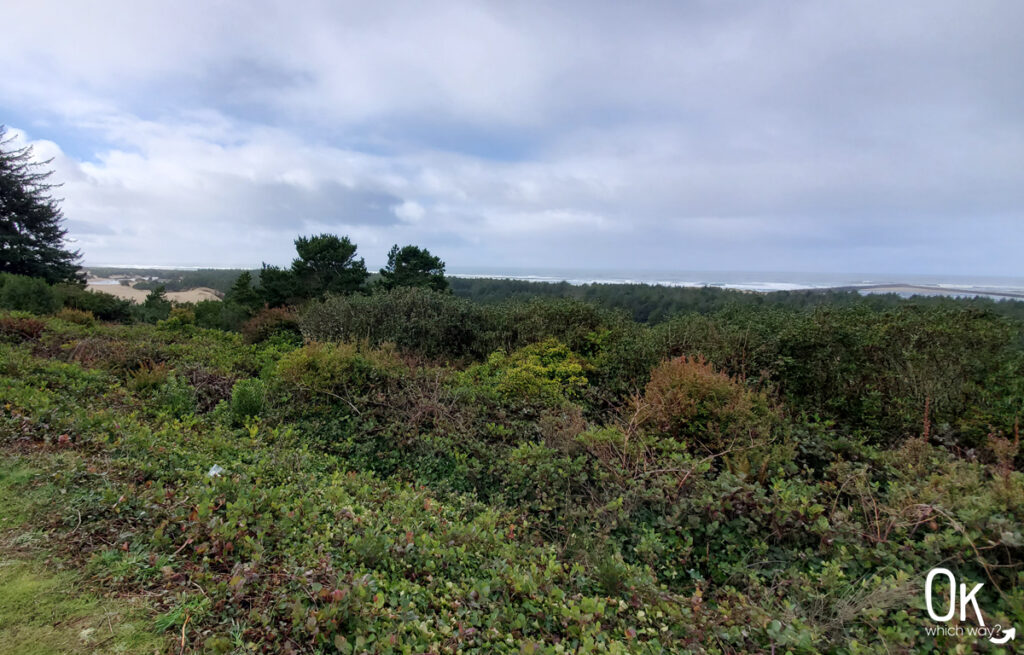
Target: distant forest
{"type": "Point", "coordinates": [648, 303]}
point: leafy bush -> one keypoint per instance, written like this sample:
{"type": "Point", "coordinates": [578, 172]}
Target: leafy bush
{"type": "Point", "coordinates": [879, 370]}
{"type": "Point", "coordinates": [870, 370]}
{"type": "Point", "coordinates": [439, 325]}
{"type": "Point", "coordinates": [689, 401]}
{"type": "Point", "coordinates": [103, 306]}
{"type": "Point", "coordinates": [248, 399]}
{"type": "Point", "coordinates": [77, 316]}
{"type": "Point", "coordinates": [489, 510]}
{"type": "Point", "coordinates": [221, 315]}
{"type": "Point", "coordinates": [546, 372]}
{"type": "Point", "coordinates": [280, 322]}
{"type": "Point", "coordinates": [176, 396]}
{"type": "Point", "coordinates": [514, 324]}
{"type": "Point", "coordinates": [340, 370]}
{"type": "Point", "coordinates": [424, 321]}
{"type": "Point", "coordinates": [20, 328]}
{"type": "Point", "coordinates": [155, 308]}
{"type": "Point", "coordinates": [27, 294]}
{"type": "Point", "coordinates": [148, 376]}
{"type": "Point", "coordinates": [180, 318]}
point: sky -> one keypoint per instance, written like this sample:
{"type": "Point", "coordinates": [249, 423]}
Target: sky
{"type": "Point", "coordinates": [846, 136]}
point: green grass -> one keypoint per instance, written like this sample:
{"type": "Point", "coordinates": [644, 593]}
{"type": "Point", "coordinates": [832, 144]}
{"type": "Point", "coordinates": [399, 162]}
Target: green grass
{"type": "Point", "coordinates": [15, 479]}
{"type": "Point", "coordinates": [45, 610]}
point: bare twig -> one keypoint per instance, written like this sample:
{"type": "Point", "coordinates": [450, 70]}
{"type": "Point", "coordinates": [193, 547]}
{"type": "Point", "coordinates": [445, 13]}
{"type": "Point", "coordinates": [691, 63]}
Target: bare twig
{"type": "Point", "coordinates": [333, 395]}
{"type": "Point", "coordinates": [182, 547]}
{"type": "Point", "coordinates": [183, 625]}
{"type": "Point", "coordinates": [78, 525]}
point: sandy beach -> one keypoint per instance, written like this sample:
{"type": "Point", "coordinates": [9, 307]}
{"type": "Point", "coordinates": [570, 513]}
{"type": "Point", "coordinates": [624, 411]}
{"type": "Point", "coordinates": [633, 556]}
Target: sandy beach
{"type": "Point", "coordinates": [926, 290]}
{"type": "Point", "coordinates": [104, 285]}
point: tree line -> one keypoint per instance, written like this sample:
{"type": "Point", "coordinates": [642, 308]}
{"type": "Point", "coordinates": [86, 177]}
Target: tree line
{"type": "Point", "coordinates": [327, 263]}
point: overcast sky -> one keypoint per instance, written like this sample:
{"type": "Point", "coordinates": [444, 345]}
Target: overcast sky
{"type": "Point", "coordinates": [883, 137]}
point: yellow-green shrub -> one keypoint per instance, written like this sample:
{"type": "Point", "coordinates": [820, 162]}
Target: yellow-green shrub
{"type": "Point", "coordinates": [179, 319]}
{"type": "Point", "coordinates": [547, 372]}
{"type": "Point", "coordinates": [248, 399]}
{"type": "Point", "coordinates": [339, 369]}
{"type": "Point", "coordinates": [148, 376]}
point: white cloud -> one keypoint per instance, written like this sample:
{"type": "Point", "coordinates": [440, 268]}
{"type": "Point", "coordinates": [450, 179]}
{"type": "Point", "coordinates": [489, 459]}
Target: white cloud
{"type": "Point", "coordinates": [585, 132]}
{"type": "Point", "coordinates": [409, 211]}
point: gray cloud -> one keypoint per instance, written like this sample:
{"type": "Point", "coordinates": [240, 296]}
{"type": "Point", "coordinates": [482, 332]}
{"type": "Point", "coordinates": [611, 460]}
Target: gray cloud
{"type": "Point", "coordinates": [290, 206]}
{"type": "Point", "coordinates": [91, 229]}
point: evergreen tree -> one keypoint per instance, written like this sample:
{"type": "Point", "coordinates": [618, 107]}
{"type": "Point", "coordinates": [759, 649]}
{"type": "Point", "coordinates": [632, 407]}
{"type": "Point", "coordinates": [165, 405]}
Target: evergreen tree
{"type": "Point", "coordinates": [278, 287]}
{"type": "Point", "coordinates": [412, 266]}
{"type": "Point", "coordinates": [155, 308]}
{"type": "Point", "coordinates": [243, 293]}
{"type": "Point", "coordinates": [31, 222]}
{"type": "Point", "coordinates": [327, 263]}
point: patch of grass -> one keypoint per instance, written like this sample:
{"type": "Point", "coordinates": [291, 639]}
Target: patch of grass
{"type": "Point", "coordinates": [15, 480]}
{"type": "Point", "coordinates": [46, 611]}
{"type": "Point", "coordinates": [42, 611]}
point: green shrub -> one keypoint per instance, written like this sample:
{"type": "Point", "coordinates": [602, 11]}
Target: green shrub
{"type": "Point", "coordinates": [148, 377]}
{"type": "Point", "coordinates": [27, 294]}
{"type": "Point", "coordinates": [155, 308]}
{"type": "Point", "coordinates": [180, 318]}
{"type": "Point", "coordinates": [513, 324]}
{"type": "Point", "coordinates": [222, 315]}
{"type": "Point", "coordinates": [208, 314]}
{"type": "Point", "coordinates": [870, 370]}
{"type": "Point", "coordinates": [176, 396]}
{"type": "Point", "coordinates": [627, 532]}
{"type": "Point", "coordinates": [546, 372]}
{"type": "Point", "coordinates": [340, 370]}
{"type": "Point", "coordinates": [563, 491]}
{"type": "Point", "coordinates": [739, 341]}
{"type": "Point", "coordinates": [879, 370]}
{"type": "Point", "coordinates": [248, 399]}
{"type": "Point", "coordinates": [613, 575]}
{"type": "Point", "coordinates": [439, 325]}
{"type": "Point", "coordinates": [77, 316]}
{"type": "Point", "coordinates": [103, 306]}
{"type": "Point", "coordinates": [424, 321]}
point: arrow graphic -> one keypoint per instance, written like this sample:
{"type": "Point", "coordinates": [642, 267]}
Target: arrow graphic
{"type": "Point", "coordinates": [1007, 636]}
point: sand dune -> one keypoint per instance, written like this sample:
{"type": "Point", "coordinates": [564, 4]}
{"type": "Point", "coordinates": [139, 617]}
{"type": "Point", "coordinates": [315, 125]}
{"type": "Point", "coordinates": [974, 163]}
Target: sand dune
{"type": "Point", "coordinates": [138, 295]}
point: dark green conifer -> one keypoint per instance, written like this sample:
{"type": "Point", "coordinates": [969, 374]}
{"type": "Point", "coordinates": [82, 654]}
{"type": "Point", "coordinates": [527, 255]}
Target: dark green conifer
{"type": "Point", "coordinates": [32, 234]}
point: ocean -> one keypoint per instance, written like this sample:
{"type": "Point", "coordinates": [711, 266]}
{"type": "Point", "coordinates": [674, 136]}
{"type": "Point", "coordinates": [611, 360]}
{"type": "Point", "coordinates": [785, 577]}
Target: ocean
{"type": "Point", "coordinates": [905, 285]}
